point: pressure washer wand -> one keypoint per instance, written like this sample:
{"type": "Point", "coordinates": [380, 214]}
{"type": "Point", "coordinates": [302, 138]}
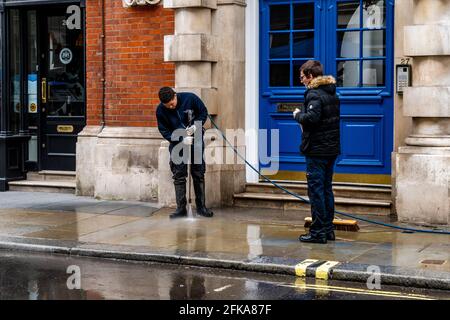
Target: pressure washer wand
{"type": "Point", "coordinates": [190, 214]}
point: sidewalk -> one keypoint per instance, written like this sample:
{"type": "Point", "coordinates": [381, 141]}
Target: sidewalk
{"type": "Point", "coordinates": [245, 239]}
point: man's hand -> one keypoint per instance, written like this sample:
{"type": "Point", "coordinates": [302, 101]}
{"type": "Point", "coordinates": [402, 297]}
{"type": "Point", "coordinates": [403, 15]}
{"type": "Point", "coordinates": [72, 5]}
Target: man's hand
{"type": "Point", "coordinates": [191, 130]}
{"type": "Point", "coordinates": [188, 141]}
{"type": "Point", "coordinates": [294, 114]}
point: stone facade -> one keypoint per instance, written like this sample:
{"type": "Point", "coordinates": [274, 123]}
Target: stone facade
{"type": "Point", "coordinates": [119, 159]}
{"type": "Point", "coordinates": [423, 165]}
{"type": "Point", "coordinates": [209, 58]}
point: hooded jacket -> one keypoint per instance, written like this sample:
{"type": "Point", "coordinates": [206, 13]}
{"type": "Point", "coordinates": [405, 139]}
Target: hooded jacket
{"type": "Point", "coordinates": [320, 119]}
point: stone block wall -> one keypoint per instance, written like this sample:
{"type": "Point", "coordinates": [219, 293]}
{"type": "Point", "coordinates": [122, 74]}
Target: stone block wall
{"type": "Point", "coordinates": [423, 163]}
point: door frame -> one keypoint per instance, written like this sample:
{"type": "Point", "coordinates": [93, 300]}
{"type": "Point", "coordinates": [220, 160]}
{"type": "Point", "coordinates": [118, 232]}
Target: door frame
{"type": "Point", "coordinates": [44, 154]}
{"type": "Point", "coordinates": [292, 94]}
{"type": "Point", "coordinates": [39, 6]}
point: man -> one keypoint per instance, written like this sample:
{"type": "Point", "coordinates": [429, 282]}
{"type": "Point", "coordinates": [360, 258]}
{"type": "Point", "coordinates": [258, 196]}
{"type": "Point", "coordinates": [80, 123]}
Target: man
{"type": "Point", "coordinates": [184, 112]}
{"type": "Point", "coordinates": [320, 122]}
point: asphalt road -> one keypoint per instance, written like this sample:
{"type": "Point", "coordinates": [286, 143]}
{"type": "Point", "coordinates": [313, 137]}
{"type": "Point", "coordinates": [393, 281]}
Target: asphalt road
{"type": "Point", "coordinates": [30, 276]}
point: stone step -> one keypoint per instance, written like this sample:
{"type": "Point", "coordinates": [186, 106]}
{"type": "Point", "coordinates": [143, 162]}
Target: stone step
{"type": "Point", "coordinates": [49, 175]}
{"type": "Point", "coordinates": [63, 186]}
{"type": "Point", "coordinates": [347, 190]}
{"type": "Point", "coordinates": [289, 202]}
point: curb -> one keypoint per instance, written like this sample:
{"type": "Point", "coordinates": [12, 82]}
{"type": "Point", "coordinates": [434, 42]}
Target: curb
{"type": "Point", "coordinates": [318, 269]}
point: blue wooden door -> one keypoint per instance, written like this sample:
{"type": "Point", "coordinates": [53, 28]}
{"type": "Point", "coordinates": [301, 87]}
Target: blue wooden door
{"type": "Point", "coordinates": [354, 41]}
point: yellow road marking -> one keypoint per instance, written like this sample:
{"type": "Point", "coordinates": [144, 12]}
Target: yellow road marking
{"type": "Point", "coordinates": [300, 269]}
{"type": "Point", "coordinates": [323, 270]}
{"type": "Point", "coordinates": [364, 291]}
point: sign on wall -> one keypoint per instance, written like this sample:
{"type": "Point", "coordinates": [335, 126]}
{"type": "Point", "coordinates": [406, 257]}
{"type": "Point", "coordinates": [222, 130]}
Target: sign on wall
{"type": "Point", "coordinates": [132, 3]}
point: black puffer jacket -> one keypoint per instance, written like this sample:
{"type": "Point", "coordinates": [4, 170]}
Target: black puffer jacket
{"type": "Point", "coordinates": [320, 119]}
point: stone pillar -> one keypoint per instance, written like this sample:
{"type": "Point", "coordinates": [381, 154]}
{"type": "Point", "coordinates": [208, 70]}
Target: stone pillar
{"type": "Point", "coordinates": [423, 165]}
{"type": "Point", "coordinates": [193, 48]}
{"type": "Point", "coordinates": [86, 147]}
{"type": "Point", "coordinates": [208, 51]}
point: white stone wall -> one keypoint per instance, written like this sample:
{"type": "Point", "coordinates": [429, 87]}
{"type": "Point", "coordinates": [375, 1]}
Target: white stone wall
{"type": "Point", "coordinates": [118, 163]}
{"type": "Point", "coordinates": [422, 165]}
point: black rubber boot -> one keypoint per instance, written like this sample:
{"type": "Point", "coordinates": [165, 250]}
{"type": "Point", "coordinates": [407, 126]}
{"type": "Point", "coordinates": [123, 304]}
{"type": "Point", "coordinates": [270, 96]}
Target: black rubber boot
{"type": "Point", "coordinates": [331, 236]}
{"type": "Point", "coordinates": [180, 194]}
{"type": "Point", "coordinates": [199, 188]}
{"type": "Point", "coordinates": [312, 239]}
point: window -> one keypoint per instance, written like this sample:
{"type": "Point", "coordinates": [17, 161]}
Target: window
{"type": "Point", "coordinates": [291, 42]}
{"type": "Point", "coordinates": [361, 43]}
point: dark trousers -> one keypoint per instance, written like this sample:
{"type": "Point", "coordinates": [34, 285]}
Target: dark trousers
{"type": "Point", "coordinates": [319, 174]}
{"type": "Point", "coordinates": [180, 172]}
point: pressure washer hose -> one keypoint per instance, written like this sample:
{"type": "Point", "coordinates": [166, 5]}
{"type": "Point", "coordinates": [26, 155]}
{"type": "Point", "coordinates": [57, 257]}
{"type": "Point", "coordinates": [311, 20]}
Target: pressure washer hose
{"type": "Point", "coordinates": [409, 230]}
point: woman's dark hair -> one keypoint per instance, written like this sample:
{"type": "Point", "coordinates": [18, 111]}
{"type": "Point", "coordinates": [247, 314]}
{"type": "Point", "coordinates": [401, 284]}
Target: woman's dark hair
{"type": "Point", "coordinates": [166, 94]}
{"type": "Point", "coordinates": [312, 67]}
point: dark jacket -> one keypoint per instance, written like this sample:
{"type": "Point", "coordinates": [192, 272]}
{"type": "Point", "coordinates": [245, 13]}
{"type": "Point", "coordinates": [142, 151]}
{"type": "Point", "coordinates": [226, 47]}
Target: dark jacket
{"type": "Point", "coordinates": [171, 119]}
{"type": "Point", "coordinates": [320, 119]}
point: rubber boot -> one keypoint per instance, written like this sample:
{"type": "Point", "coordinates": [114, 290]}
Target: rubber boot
{"type": "Point", "coordinates": [199, 188]}
{"type": "Point", "coordinates": [180, 194]}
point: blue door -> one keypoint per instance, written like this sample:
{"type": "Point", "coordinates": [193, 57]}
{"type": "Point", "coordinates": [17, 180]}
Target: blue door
{"type": "Point", "coordinates": [354, 41]}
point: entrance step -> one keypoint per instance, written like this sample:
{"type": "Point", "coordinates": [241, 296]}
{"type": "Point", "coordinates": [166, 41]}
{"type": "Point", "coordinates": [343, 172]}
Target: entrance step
{"type": "Point", "coordinates": [349, 198]}
{"type": "Point", "coordinates": [341, 190]}
{"type": "Point", "coordinates": [43, 186]}
{"type": "Point", "coordinates": [48, 175]}
{"type": "Point", "coordinates": [46, 181]}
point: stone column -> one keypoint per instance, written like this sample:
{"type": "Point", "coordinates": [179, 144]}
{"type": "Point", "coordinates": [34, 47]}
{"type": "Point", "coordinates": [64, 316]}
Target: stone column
{"type": "Point", "coordinates": [193, 48]}
{"type": "Point", "coordinates": [423, 165]}
{"type": "Point", "coordinates": [208, 51]}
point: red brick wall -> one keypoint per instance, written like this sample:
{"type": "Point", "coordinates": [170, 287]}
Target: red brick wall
{"type": "Point", "coordinates": [135, 67]}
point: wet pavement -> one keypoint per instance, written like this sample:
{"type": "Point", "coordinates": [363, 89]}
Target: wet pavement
{"type": "Point", "coordinates": [234, 235]}
{"type": "Point", "coordinates": [28, 276]}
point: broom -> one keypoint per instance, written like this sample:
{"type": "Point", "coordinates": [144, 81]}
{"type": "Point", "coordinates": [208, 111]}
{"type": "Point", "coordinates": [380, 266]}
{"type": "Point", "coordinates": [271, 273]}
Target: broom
{"type": "Point", "coordinates": [339, 224]}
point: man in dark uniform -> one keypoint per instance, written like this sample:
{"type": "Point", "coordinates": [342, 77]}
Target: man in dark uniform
{"type": "Point", "coordinates": [181, 117]}
{"type": "Point", "coordinates": [320, 123]}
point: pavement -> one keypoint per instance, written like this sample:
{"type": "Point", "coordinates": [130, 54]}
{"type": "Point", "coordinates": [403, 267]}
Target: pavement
{"type": "Point", "coordinates": [249, 239]}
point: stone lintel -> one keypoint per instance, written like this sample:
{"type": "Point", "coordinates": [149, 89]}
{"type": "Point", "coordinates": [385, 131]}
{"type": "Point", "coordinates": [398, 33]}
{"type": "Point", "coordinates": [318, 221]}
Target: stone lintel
{"type": "Point", "coordinates": [175, 4]}
{"type": "Point", "coordinates": [190, 47]}
{"type": "Point", "coordinates": [427, 40]}
{"type": "Point", "coordinates": [426, 102]}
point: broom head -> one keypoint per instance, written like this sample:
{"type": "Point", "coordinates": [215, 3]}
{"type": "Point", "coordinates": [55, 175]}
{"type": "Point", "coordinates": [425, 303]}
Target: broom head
{"type": "Point", "coordinates": [339, 224]}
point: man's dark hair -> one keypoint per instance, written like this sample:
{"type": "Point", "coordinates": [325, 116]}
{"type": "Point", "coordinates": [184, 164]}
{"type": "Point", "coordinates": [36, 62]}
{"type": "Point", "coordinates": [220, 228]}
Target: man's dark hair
{"type": "Point", "coordinates": [166, 94]}
{"type": "Point", "coordinates": [312, 67]}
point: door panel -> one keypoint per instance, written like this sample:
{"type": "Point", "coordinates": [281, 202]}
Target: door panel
{"type": "Point", "coordinates": [62, 87]}
{"type": "Point", "coordinates": [353, 40]}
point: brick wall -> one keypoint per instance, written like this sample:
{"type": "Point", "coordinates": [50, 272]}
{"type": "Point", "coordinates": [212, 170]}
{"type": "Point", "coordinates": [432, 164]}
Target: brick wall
{"type": "Point", "coordinates": [135, 67]}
